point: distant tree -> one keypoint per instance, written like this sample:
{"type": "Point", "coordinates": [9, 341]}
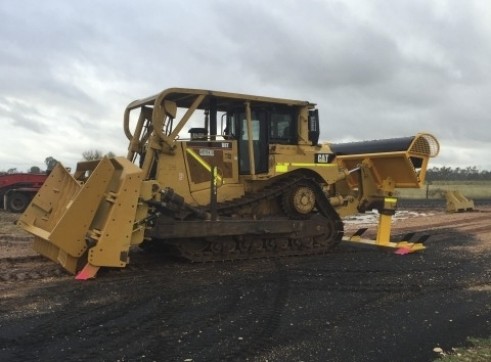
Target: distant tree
{"type": "Point", "coordinates": [12, 170]}
{"type": "Point", "coordinates": [34, 169]}
{"type": "Point", "coordinates": [50, 163]}
{"type": "Point", "coordinates": [444, 173]}
{"type": "Point", "coordinates": [92, 155]}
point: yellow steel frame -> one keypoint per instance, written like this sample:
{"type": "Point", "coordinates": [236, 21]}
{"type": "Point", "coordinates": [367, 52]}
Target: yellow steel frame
{"type": "Point", "coordinates": [384, 229]}
{"type": "Point", "coordinates": [104, 230]}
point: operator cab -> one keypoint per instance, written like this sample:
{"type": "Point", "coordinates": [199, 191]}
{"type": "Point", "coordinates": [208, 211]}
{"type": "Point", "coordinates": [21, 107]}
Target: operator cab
{"type": "Point", "coordinates": [251, 123]}
{"type": "Point", "coordinates": [276, 125]}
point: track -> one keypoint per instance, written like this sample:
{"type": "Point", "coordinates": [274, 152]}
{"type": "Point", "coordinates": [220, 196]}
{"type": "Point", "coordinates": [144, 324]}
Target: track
{"type": "Point", "coordinates": [322, 229]}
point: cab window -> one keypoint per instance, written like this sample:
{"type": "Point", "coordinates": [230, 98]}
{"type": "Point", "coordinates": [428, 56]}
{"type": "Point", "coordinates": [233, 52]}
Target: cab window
{"type": "Point", "coordinates": [282, 128]}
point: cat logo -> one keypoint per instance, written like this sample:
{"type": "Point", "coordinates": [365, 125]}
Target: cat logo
{"type": "Point", "coordinates": [322, 157]}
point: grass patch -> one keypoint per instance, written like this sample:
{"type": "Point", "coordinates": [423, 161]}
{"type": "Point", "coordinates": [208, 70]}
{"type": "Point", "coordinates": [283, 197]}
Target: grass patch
{"type": "Point", "coordinates": [437, 189]}
{"type": "Point", "coordinates": [479, 351]}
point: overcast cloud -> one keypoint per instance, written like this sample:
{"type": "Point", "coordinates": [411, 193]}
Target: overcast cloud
{"type": "Point", "coordinates": [376, 69]}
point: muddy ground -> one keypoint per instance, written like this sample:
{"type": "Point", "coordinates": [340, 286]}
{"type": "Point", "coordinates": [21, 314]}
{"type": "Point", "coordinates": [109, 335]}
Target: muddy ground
{"type": "Point", "coordinates": [354, 304]}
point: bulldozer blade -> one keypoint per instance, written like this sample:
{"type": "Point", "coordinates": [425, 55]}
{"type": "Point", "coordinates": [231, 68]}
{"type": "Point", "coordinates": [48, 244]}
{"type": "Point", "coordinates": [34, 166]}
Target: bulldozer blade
{"type": "Point", "coordinates": [75, 222]}
{"type": "Point", "coordinates": [42, 215]}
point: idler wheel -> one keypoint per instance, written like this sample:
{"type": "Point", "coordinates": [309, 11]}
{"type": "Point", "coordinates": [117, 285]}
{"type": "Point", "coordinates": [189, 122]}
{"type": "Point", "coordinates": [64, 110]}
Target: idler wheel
{"type": "Point", "coordinates": [299, 201]}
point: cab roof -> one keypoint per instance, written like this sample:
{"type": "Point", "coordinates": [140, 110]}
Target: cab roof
{"type": "Point", "coordinates": [184, 97]}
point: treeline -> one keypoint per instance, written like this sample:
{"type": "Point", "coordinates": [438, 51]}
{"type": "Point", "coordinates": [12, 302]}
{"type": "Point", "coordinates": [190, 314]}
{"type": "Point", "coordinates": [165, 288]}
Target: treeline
{"type": "Point", "coordinates": [50, 162]}
{"type": "Point", "coordinates": [445, 173]}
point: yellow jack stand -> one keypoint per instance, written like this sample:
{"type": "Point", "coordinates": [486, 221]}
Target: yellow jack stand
{"type": "Point", "coordinates": [383, 238]}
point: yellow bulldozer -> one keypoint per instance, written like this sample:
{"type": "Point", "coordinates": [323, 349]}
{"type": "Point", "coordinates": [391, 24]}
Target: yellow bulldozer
{"type": "Point", "coordinates": [221, 176]}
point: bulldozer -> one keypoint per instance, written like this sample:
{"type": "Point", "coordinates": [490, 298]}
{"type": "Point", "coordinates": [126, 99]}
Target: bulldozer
{"type": "Point", "coordinates": [212, 175]}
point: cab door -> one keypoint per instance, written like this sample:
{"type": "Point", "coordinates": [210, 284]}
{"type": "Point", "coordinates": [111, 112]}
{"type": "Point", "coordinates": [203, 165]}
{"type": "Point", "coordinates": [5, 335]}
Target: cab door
{"type": "Point", "coordinates": [239, 130]}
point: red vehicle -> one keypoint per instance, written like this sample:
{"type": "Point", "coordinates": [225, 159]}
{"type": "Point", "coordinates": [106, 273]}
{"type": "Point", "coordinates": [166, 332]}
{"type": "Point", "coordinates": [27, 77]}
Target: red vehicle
{"type": "Point", "coordinates": [18, 189]}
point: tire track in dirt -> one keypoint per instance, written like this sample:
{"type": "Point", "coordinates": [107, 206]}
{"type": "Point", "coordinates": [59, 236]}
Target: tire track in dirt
{"type": "Point", "coordinates": [28, 268]}
{"type": "Point", "coordinates": [87, 320]}
{"type": "Point", "coordinates": [160, 309]}
{"type": "Point", "coordinates": [268, 314]}
{"type": "Point", "coordinates": [143, 319]}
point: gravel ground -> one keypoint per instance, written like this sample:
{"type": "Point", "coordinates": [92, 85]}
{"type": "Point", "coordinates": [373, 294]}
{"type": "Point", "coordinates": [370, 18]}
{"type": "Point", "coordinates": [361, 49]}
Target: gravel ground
{"type": "Point", "coordinates": [354, 304]}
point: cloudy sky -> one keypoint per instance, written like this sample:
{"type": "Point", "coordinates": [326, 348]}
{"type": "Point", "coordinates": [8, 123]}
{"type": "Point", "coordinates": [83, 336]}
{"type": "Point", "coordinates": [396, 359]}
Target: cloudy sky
{"type": "Point", "coordinates": [375, 68]}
